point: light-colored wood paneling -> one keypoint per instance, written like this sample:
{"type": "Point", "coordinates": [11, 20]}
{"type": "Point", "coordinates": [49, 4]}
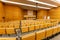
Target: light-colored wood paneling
{"type": "Point", "coordinates": [1, 11]}
{"type": "Point", "coordinates": [13, 13]}
{"type": "Point", "coordinates": [54, 13]}
{"type": "Point", "coordinates": [41, 14]}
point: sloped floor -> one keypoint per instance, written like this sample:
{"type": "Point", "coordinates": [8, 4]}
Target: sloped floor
{"type": "Point", "coordinates": [56, 38]}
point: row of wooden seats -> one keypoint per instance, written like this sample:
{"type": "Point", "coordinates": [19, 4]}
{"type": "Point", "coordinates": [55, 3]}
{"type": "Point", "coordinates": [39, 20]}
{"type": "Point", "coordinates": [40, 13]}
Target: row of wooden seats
{"type": "Point", "coordinates": [15, 24]}
{"type": "Point", "coordinates": [7, 31]}
{"type": "Point", "coordinates": [37, 22]}
{"type": "Point", "coordinates": [8, 38]}
{"type": "Point", "coordinates": [41, 34]}
{"type": "Point", "coordinates": [33, 25]}
{"type": "Point", "coordinates": [31, 28]}
{"type": "Point", "coordinates": [9, 27]}
{"type": "Point", "coordinates": [52, 22]}
{"type": "Point", "coordinates": [30, 25]}
{"type": "Point", "coordinates": [10, 24]}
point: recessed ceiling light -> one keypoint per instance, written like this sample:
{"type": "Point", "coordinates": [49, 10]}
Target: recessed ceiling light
{"type": "Point", "coordinates": [39, 2]}
{"type": "Point", "coordinates": [24, 4]}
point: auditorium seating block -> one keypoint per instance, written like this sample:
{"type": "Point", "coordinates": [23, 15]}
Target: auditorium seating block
{"type": "Point", "coordinates": [29, 29]}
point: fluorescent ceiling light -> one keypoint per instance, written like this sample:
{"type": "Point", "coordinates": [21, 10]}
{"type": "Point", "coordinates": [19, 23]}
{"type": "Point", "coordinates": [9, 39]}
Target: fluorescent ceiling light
{"type": "Point", "coordinates": [24, 4]}
{"type": "Point", "coordinates": [57, 1]}
{"type": "Point", "coordinates": [39, 2]}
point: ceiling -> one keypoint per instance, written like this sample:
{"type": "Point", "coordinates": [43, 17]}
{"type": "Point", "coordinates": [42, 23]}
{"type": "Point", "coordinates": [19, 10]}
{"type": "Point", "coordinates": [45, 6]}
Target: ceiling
{"type": "Point", "coordinates": [32, 3]}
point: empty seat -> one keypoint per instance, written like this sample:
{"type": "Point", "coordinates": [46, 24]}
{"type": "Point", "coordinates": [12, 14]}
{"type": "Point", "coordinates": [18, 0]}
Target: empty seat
{"type": "Point", "coordinates": [42, 26]}
{"type": "Point", "coordinates": [40, 35]}
{"type": "Point", "coordinates": [55, 23]}
{"type": "Point", "coordinates": [2, 31]}
{"type": "Point", "coordinates": [10, 31]}
{"type": "Point", "coordinates": [11, 25]}
{"type": "Point", "coordinates": [49, 32]}
{"type": "Point", "coordinates": [31, 28]}
{"type": "Point", "coordinates": [17, 26]}
{"type": "Point", "coordinates": [24, 23]}
{"type": "Point", "coordinates": [37, 27]}
{"type": "Point", "coordinates": [30, 36]}
{"type": "Point", "coordinates": [55, 30]}
{"type": "Point", "coordinates": [6, 24]}
{"type": "Point", "coordinates": [24, 29]}
{"type": "Point", "coordinates": [2, 28]}
{"type": "Point", "coordinates": [48, 24]}
{"type": "Point", "coordinates": [58, 29]}
{"type": "Point", "coordinates": [45, 25]}
{"type": "Point", "coordinates": [7, 38]}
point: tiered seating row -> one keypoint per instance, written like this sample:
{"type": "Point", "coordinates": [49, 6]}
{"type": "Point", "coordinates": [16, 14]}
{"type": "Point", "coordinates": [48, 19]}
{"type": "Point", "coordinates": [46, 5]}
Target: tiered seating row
{"type": "Point", "coordinates": [26, 26]}
{"type": "Point", "coordinates": [41, 34]}
{"type": "Point", "coordinates": [31, 25]}
{"type": "Point", "coordinates": [7, 31]}
{"type": "Point", "coordinates": [9, 27]}
{"type": "Point", "coordinates": [45, 28]}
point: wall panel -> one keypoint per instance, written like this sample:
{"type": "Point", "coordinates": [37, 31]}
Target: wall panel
{"type": "Point", "coordinates": [41, 14]}
{"type": "Point", "coordinates": [1, 11]}
{"type": "Point", "coordinates": [13, 13]}
{"type": "Point", "coordinates": [54, 13]}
